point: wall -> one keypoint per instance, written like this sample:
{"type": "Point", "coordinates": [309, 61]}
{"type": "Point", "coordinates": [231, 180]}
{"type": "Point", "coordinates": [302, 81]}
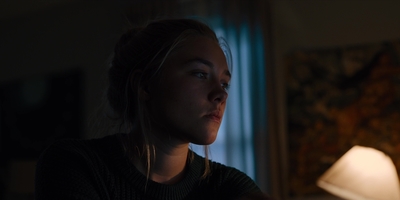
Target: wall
{"type": "Point", "coordinates": [310, 24]}
{"type": "Point", "coordinates": [53, 37]}
{"type": "Point", "coordinates": [59, 38]}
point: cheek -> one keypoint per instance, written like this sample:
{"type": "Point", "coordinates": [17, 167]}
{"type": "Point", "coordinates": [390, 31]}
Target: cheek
{"type": "Point", "coordinates": [181, 90]}
{"type": "Point", "coordinates": [185, 98]}
{"type": "Point", "coordinates": [174, 96]}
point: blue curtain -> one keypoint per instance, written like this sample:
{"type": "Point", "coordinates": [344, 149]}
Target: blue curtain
{"type": "Point", "coordinates": [246, 107]}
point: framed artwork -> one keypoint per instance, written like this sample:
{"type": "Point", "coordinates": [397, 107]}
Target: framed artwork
{"type": "Point", "coordinates": [338, 98]}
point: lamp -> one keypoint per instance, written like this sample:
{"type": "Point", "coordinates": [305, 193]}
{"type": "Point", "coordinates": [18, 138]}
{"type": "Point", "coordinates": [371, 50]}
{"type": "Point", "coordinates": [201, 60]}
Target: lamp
{"type": "Point", "coordinates": [362, 173]}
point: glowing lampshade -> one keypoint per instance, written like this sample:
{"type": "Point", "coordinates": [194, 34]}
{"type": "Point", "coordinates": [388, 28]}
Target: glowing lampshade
{"type": "Point", "coordinates": [362, 173]}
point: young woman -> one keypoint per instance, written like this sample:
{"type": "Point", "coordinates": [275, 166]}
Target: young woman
{"type": "Point", "coordinates": [168, 87]}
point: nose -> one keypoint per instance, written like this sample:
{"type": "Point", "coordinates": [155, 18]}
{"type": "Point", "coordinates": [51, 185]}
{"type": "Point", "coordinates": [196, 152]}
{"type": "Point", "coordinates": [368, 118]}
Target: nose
{"type": "Point", "coordinates": [218, 94]}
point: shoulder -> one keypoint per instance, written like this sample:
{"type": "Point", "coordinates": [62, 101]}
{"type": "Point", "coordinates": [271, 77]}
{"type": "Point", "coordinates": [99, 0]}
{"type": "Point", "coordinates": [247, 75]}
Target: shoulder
{"type": "Point", "coordinates": [68, 166]}
{"type": "Point", "coordinates": [91, 153]}
{"type": "Point", "coordinates": [229, 181]}
{"type": "Point", "coordinates": [77, 156]}
{"type": "Point", "coordinates": [231, 176]}
{"type": "Point", "coordinates": [69, 154]}
{"type": "Point", "coordinates": [80, 147]}
{"type": "Point", "coordinates": [70, 147]}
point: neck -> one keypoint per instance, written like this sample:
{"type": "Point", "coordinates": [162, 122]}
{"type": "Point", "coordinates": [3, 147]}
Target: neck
{"type": "Point", "coordinates": [169, 163]}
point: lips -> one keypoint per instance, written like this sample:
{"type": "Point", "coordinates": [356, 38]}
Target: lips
{"type": "Point", "coordinates": [215, 116]}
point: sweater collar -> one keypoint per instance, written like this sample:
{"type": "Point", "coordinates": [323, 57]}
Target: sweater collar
{"type": "Point", "coordinates": [151, 188]}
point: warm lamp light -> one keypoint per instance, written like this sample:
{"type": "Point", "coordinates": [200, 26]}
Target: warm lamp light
{"type": "Point", "coordinates": [362, 173]}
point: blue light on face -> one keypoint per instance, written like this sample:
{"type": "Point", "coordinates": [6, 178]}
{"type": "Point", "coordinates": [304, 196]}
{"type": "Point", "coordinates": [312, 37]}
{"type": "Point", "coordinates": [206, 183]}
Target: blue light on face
{"type": "Point", "coordinates": [245, 110]}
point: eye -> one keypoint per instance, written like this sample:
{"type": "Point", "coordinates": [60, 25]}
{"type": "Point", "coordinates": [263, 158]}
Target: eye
{"type": "Point", "coordinates": [201, 75]}
{"type": "Point", "coordinates": [225, 86]}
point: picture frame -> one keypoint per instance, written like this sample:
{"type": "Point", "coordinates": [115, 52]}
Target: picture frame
{"type": "Point", "coordinates": [337, 98]}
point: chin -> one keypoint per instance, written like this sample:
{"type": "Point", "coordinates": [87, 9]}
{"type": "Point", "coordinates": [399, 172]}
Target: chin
{"type": "Point", "coordinates": [209, 139]}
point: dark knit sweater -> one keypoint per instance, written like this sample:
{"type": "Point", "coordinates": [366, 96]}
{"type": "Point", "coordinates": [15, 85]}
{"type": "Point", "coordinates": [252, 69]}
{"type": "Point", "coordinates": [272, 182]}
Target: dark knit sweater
{"type": "Point", "coordinates": [98, 169]}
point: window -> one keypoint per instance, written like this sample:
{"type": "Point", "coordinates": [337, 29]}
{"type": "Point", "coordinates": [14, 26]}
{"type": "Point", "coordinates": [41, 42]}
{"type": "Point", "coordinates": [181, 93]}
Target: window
{"type": "Point", "coordinates": [246, 106]}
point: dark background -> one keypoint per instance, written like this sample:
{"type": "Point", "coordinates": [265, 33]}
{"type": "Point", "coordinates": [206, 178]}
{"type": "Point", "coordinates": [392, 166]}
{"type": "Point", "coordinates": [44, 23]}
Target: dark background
{"type": "Point", "coordinates": [54, 55]}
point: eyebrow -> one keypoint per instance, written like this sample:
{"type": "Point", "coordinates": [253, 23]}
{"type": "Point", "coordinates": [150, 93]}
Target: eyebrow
{"type": "Point", "coordinates": [207, 63]}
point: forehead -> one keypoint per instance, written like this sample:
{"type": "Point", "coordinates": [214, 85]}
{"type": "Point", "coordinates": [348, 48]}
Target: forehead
{"type": "Point", "coordinates": [200, 47]}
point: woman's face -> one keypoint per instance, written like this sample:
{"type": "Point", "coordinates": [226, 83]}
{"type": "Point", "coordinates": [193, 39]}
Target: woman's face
{"type": "Point", "coordinates": [189, 100]}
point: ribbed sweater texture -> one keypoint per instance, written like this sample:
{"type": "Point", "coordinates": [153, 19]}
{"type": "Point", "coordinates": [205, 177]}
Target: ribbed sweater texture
{"type": "Point", "coordinates": [98, 169]}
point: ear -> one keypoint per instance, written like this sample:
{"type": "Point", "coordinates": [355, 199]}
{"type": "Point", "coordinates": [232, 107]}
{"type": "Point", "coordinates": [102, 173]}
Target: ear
{"type": "Point", "coordinates": [138, 88]}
